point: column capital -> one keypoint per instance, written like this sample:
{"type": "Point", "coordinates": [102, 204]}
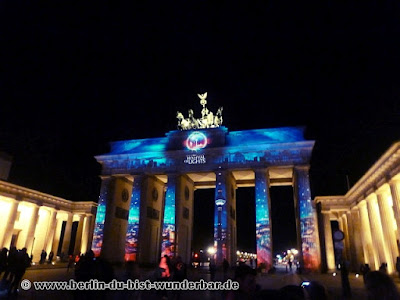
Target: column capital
{"type": "Point", "coordinates": [302, 167]}
{"type": "Point", "coordinates": [372, 196]}
{"type": "Point", "coordinates": [395, 181]}
{"type": "Point", "coordinates": [383, 189]}
{"type": "Point", "coordinates": [362, 203]}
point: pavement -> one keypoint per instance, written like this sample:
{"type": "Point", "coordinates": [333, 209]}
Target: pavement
{"type": "Point", "coordinates": [60, 272]}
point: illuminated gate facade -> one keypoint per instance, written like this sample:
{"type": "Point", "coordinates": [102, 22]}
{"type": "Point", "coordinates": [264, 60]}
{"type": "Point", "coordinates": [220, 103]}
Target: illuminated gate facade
{"type": "Point", "coordinates": [146, 199]}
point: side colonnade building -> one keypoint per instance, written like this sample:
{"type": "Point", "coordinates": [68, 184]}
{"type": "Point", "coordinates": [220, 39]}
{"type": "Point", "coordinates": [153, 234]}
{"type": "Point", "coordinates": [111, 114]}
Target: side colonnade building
{"type": "Point", "coordinates": [38, 221]}
{"type": "Point", "coordinates": [368, 215]}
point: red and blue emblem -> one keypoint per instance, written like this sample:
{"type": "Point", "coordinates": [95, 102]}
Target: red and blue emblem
{"type": "Point", "coordinates": [196, 141]}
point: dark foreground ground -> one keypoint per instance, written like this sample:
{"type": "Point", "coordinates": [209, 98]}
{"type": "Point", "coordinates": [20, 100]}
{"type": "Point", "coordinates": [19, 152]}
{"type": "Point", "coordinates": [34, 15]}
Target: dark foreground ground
{"type": "Point", "coordinates": [265, 281]}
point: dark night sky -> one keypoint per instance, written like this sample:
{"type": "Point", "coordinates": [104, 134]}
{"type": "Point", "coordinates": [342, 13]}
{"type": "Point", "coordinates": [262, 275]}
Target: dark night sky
{"type": "Point", "coordinates": [75, 76]}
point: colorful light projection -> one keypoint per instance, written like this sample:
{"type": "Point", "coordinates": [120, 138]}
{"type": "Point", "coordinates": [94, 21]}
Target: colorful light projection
{"type": "Point", "coordinates": [132, 233]}
{"type": "Point", "coordinates": [263, 220]}
{"type": "Point", "coordinates": [309, 231]}
{"type": "Point", "coordinates": [100, 219]}
{"type": "Point", "coordinates": [220, 217]}
{"type": "Point", "coordinates": [169, 226]}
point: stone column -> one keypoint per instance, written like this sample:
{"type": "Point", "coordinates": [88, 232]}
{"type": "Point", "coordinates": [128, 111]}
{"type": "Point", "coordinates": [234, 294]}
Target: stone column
{"type": "Point", "coordinates": [8, 232]}
{"type": "Point", "coordinates": [354, 265]}
{"type": "Point", "coordinates": [330, 253]}
{"type": "Point", "coordinates": [32, 228]}
{"type": "Point", "coordinates": [50, 234]}
{"type": "Point", "coordinates": [168, 244]}
{"type": "Point", "coordinates": [78, 238]}
{"type": "Point", "coordinates": [371, 257]}
{"type": "Point", "coordinates": [358, 243]}
{"type": "Point", "coordinates": [86, 233]}
{"type": "Point", "coordinates": [99, 230]}
{"type": "Point", "coordinates": [220, 215]}
{"type": "Point", "coordinates": [309, 229]}
{"type": "Point", "coordinates": [387, 219]}
{"type": "Point", "coordinates": [376, 228]}
{"type": "Point", "coordinates": [346, 236]}
{"type": "Point", "coordinates": [56, 236]}
{"type": "Point", "coordinates": [263, 219]}
{"type": "Point", "coordinates": [395, 191]}
{"type": "Point", "coordinates": [67, 235]}
{"type": "Point", "coordinates": [134, 227]}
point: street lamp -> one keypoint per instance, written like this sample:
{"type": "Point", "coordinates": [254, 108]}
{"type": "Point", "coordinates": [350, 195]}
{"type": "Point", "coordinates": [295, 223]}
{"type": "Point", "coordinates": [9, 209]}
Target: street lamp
{"type": "Point", "coordinates": [219, 202]}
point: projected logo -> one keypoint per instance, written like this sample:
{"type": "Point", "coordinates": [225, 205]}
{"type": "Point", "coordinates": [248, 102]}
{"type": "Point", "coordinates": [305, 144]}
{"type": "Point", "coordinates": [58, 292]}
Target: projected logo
{"type": "Point", "coordinates": [196, 141]}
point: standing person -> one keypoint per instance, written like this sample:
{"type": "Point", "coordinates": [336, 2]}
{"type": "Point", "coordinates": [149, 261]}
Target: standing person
{"type": "Point", "coordinates": [213, 270]}
{"type": "Point", "coordinates": [164, 273]}
{"type": "Point", "coordinates": [51, 255]}
{"type": "Point", "coordinates": [3, 260]}
{"type": "Point", "coordinates": [179, 274]}
{"type": "Point", "coordinates": [380, 286]}
{"type": "Point", "coordinates": [22, 263]}
{"type": "Point", "coordinates": [246, 277]}
{"type": "Point", "coordinates": [43, 256]}
{"type": "Point", "coordinates": [71, 262]}
{"type": "Point", "coordinates": [10, 267]}
{"type": "Point", "coordinates": [225, 267]}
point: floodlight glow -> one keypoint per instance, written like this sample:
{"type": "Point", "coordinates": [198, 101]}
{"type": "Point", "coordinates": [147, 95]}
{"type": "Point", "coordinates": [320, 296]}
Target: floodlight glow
{"type": "Point", "coordinates": [212, 250]}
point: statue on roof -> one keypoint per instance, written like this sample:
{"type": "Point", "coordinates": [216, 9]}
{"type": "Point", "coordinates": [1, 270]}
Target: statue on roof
{"type": "Point", "coordinates": [207, 120]}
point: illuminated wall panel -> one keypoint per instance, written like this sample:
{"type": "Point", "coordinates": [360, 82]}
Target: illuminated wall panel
{"type": "Point", "coordinates": [263, 221]}
{"type": "Point", "coordinates": [169, 225]}
{"type": "Point", "coordinates": [132, 233]}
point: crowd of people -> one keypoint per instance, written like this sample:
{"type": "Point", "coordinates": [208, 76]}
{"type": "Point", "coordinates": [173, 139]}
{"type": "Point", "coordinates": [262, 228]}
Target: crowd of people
{"type": "Point", "coordinates": [13, 263]}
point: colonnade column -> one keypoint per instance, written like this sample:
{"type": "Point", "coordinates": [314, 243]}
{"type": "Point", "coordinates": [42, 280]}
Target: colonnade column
{"type": "Point", "coordinates": [352, 249]}
{"type": "Point", "coordinates": [307, 219]}
{"type": "Point", "coordinates": [380, 246]}
{"type": "Point", "coordinates": [86, 232]}
{"type": "Point", "coordinates": [56, 236]}
{"type": "Point", "coordinates": [358, 243]}
{"type": "Point", "coordinates": [8, 232]}
{"type": "Point", "coordinates": [388, 225]}
{"type": "Point", "coordinates": [50, 234]}
{"type": "Point", "coordinates": [330, 253]}
{"type": "Point", "coordinates": [345, 230]}
{"type": "Point", "coordinates": [32, 228]}
{"type": "Point", "coordinates": [79, 231]}
{"type": "Point", "coordinates": [370, 256]}
{"type": "Point", "coordinates": [67, 235]}
{"type": "Point", "coordinates": [395, 191]}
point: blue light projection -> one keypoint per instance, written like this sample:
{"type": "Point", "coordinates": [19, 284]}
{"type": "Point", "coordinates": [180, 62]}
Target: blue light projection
{"type": "Point", "coordinates": [220, 192]}
{"type": "Point", "coordinates": [309, 234]}
{"type": "Point", "coordinates": [168, 233]}
{"type": "Point", "coordinates": [205, 150]}
{"type": "Point", "coordinates": [263, 223]}
{"type": "Point", "coordinates": [132, 233]}
{"type": "Point", "coordinates": [100, 219]}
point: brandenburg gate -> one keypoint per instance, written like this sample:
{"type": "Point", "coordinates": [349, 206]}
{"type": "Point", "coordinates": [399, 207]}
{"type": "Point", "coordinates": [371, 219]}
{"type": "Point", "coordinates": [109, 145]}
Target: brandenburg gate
{"type": "Point", "coordinates": [147, 193]}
